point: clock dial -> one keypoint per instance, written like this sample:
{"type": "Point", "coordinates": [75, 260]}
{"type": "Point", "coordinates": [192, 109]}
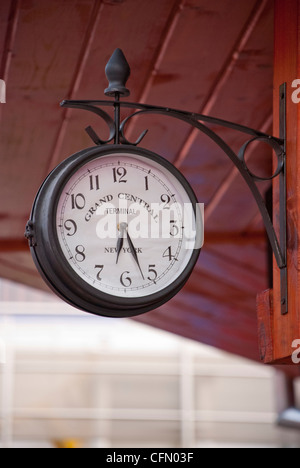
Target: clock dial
{"type": "Point", "coordinates": [125, 225]}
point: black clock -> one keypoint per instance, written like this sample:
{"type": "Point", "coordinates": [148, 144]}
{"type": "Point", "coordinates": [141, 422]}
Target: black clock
{"type": "Point", "coordinates": [115, 230]}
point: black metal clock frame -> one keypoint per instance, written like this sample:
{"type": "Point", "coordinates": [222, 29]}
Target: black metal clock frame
{"type": "Point", "coordinates": [118, 71]}
{"type": "Point", "coordinates": [50, 260]}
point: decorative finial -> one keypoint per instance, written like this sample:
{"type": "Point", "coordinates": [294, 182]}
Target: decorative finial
{"type": "Point", "coordinates": [117, 72]}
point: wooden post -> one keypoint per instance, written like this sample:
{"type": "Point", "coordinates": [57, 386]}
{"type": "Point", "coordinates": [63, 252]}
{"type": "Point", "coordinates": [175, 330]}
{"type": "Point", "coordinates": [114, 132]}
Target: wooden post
{"type": "Point", "coordinates": [278, 332]}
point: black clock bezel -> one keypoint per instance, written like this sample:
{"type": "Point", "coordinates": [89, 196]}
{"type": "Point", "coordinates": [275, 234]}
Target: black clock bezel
{"type": "Point", "coordinates": [51, 262]}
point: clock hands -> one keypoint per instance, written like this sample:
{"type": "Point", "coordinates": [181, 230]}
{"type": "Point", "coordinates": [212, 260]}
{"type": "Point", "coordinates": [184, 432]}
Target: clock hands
{"type": "Point", "coordinates": [134, 254]}
{"type": "Point", "coordinates": [122, 228]}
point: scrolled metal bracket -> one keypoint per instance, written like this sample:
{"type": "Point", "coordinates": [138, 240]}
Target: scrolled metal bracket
{"type": "Point", "coordinates": [117, 71]}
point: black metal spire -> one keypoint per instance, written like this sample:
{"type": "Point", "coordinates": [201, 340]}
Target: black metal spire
{"type": "Point", "coordinates": [117, 72]}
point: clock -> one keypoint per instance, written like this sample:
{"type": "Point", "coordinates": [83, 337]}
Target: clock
{"type": "Point", "coordinates": [115, 230]}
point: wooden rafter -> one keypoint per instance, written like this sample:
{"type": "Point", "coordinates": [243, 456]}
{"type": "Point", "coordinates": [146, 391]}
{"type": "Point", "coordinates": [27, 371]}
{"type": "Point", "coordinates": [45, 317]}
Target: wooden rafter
{"type": "Point", "coordinates": [223, 77]}
{"type": "Point", "coordinates": [10, 39]}
{"type": "Point", "coordinates": [83, 56]}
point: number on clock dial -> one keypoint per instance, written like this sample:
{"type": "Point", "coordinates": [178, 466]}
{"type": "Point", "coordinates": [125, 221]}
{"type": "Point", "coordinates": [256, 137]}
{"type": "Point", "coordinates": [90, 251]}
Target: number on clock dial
{"type": "Point", "coordinates": [119, 175]}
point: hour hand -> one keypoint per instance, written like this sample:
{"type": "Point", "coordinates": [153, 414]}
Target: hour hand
{"type": "Point", "coordinates": [122, 228]}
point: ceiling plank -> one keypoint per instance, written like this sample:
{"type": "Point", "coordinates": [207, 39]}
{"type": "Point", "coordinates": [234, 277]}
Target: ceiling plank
{"type": "Point", "coordinates": [214, 326]}
{"type": "Point", "coordinates": [233, 174]}
{"type": "Point", "coordinates": [13, 245]}
{"type": "Point", "coordinates": [8, 43]}
{"type": "Point", "coordinates": [9, 40]}
{"type": "Point", "coordinates": [223, 77]}
{"type": "Point", "coordinates": [77, 77]}
{"type": "Point", "coordinates": [167, 35]}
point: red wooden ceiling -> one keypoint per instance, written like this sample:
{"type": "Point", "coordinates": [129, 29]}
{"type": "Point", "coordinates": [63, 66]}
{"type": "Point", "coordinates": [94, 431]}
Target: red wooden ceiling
{"type": "Point", "coordinates": [208, 56]}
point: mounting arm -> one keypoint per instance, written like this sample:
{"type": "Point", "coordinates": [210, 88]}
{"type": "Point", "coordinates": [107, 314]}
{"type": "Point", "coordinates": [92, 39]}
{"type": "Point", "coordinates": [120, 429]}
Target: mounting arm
{"type": "Point", "coordinates": [118, 71]}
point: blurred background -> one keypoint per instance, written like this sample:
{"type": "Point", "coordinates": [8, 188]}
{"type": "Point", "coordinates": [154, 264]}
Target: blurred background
{"type": "Point", "coordinates": [187, 374]}
{"type": "Point", "coordinates": [68, 379]}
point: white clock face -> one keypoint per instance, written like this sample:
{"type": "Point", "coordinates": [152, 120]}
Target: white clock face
{"type": "Point", "coordinates": [126, 225]}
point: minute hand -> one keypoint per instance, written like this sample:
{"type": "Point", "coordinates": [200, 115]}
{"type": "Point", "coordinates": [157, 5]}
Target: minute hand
{"type": "Point", "coordinates": [120, 242]}
{"type": "Point", "coordinates": [134, 254]}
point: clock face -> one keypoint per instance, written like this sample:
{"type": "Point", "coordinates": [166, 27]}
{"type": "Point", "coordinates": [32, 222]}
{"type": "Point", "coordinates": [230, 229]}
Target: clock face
{"type": "Point", "coordinates": [115, 230]}
{"type": "Point", "coordinates": [126, 224]}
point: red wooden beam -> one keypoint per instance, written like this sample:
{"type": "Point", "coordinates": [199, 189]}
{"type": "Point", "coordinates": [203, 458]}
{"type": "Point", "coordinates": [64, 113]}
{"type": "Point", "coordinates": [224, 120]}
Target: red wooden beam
{"type": "Point", "coordinates": [278, 332]}
{"type": "Point", "coordinates": [13, 245]}
{"type": "Point", "coordinates": [236, 238]}
{"type": "Point", "coordinates": [9, 42]}
{"type": "Point", "coordinates": [211, 238]}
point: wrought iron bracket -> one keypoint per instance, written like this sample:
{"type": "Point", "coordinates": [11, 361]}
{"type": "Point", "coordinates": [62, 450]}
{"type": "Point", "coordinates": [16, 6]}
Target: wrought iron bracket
{"type": "Point", "coordinates": [118, 71]}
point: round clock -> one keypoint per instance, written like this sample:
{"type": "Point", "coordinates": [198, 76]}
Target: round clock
{"type": "Point", "coordinates": [115, 230]}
